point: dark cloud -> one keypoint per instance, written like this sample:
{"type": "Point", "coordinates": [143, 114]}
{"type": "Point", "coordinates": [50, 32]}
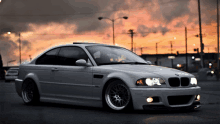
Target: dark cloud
{"type": "Point", "coordinates": [163, 30]}
{"type": "Point", "coordinates": [16, 15]}
{"type": "Point", "coordinates": [144, 30]}
{"type": "Point", "coordinates": [7, 50]}
{"type": "Point", "coordinates": [208, 12]}
{"type": "Point", "coordinates": [208, 4]}
{"type": "Point", "coordinates": [179, 24]}
{"type": "Point", "coordinates": [5, 28]}
{"type": "Point", "coordinates": [107, 37]}
{"type": "Point", "coordinates": [26, 45]}
{"type": "Point", "coordinates": [12, 26]}
{"type": "Point", "coordinates": [84, 13]}
{"type": "Point", "coordinates": [171, 9]}
{"type": "Point", "coordinates": [174, 9]}
{"type": "Point", "coordinates": [165, 10]}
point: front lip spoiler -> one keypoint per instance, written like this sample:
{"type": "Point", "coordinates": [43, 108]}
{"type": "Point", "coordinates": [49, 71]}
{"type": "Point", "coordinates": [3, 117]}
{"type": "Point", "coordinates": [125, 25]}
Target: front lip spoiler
{"type": "Point", "coordinates": [195, 106]}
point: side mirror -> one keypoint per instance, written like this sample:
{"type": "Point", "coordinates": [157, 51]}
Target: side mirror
{"type": "Point", "coordinates": [149, 62]}
{"type": "Point", "coordinates": [82, 62]}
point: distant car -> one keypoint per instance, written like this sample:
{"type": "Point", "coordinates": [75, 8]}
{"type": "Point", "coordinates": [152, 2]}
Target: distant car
{"type": "Point", "coordinates": [104, 76]}
{"type": "Point", "coordinates": [11, 74]}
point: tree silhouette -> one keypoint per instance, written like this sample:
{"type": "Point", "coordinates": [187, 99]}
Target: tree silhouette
{"type": "Point", "coordinates": [2, 72]}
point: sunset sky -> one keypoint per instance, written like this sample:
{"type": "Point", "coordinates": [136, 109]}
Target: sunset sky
{"type": "Point", "coordinates": [47, 23]}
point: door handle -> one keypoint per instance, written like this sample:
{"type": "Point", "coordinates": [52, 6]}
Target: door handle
{"type": "Point", "coordinates": [54, 69]}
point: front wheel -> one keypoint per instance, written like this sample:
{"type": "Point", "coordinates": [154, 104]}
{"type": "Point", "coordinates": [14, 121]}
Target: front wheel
{"type": "Point", "coordinates": [30, 94]}
{"type": "Point", "coordinates": [117, 96]}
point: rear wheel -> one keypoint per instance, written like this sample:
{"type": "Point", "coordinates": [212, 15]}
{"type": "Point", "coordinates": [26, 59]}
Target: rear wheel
{"type": "Point", "coordinates": [117, 96]}
{"type": "Point", "coordinates": [30, 94]}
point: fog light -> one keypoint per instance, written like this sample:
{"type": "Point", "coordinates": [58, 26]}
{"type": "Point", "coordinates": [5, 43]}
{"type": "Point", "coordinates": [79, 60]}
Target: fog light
{"type": "Point", "coordinates": [149, 99]}
{"type": "Point", "coordinates": [198, 97]}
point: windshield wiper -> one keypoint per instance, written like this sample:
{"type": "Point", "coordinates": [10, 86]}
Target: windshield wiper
{"type": "Point", "coordinates": [138, 63]}
{"type": "Point", "coordinates": [113, 63]}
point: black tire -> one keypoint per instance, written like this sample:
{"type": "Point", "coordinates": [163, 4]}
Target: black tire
{"type": "Point", "coordinates": [117, 97]}
{"type": "Point", "coordinates": [30, 94]}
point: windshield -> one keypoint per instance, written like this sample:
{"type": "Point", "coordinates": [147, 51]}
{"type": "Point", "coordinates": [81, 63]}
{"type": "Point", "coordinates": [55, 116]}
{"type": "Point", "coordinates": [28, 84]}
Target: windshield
{"type": "Point", "coordinates": [104, 55]}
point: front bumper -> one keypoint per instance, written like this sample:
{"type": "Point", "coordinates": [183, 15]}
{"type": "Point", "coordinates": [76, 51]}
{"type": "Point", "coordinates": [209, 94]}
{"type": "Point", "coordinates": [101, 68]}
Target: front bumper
{"type": "Point", "coordinates": [139, 96]}
{"type": "Point", "coordinates": [18, 86]}
{"type": "Point", "coordinates": [194, 106]}
{"type": "Point", "coordinates": [10, 78]}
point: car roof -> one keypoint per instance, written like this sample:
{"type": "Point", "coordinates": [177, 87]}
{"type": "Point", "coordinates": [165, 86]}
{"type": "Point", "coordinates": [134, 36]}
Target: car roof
{"type": "Point", "coordinates": [81, 44]}
{"type": "Point", "coordinates": [89, 44]}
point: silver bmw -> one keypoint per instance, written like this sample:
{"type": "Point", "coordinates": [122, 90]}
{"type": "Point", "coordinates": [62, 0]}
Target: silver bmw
{"type": "Point", "coordinates": [106, 76]}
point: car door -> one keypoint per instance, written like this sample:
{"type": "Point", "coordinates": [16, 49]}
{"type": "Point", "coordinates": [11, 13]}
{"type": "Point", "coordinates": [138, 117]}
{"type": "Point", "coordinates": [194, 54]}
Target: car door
{"type": "Point", "coordinates": [42, 69]}
{"type": "Point", "coordinates": [69, 80]}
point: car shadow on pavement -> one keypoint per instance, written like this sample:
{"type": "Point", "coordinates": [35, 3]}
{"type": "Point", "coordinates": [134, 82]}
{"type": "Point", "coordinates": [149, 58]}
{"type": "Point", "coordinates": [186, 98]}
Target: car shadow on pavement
{"type": "Point", "coordinates": [66, 106]}
{"type": "Point", "coordinates": [164, 111]}
{"type": "Point", "coordinates": [104, 110]}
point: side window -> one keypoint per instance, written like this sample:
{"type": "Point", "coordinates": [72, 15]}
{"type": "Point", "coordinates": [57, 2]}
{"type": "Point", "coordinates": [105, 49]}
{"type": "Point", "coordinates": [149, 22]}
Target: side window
{"type": "Point", "coordinates": [69, 55]}
{"type": "Point", "coordinates": [48, 58]}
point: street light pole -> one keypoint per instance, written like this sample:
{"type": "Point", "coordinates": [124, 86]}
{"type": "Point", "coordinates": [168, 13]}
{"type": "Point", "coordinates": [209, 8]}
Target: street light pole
{"type": "Point", "coordinates": [157, 51]}
{"type": "Point", "coordinates": [30, 57]}
{"type": "Point", "coordinates": [20, 46]}
{"type": "Point", "coordinates": [200, 33]}
{"type": "Point", "coordinates": [113, 25]}
{"type": "Point", "coordinates": [113, 20]}
{"type": "Point", "coordinates": [132, 33]}
{"type": "Point", "coordinates": [218, 42]}
{"type": "Point", "coordinates": [141, 50]}
{"type": "Point", "coordinates": [186, 49]}
{"type": "Point", "coordinates": [171, 53]}
{"type": "Point", "coordinates": [156, 55]}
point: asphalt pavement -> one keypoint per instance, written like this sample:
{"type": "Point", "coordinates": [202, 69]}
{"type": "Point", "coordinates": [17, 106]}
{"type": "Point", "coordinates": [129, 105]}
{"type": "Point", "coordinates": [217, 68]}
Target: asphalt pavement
{"type": "Point", "coordinates": [13, 111]}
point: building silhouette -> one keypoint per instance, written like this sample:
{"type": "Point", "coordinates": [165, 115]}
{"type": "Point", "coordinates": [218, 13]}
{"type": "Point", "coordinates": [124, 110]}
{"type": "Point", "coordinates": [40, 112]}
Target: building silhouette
{"type": "Point", "coordinates": [179, 62]}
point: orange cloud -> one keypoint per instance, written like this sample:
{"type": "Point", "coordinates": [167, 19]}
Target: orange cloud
{"type": "Point", "coordinates": [152, 22]}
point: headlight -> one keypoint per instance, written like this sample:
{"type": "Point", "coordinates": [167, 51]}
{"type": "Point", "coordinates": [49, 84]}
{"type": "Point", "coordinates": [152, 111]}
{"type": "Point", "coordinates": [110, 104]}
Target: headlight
{"type": "Point", "coordinates": [193, 81]}
{"type": "Point", "coordinates": [150, 82]}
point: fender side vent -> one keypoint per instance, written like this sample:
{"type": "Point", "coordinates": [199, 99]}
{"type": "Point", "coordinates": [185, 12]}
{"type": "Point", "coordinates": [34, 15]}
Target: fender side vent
{"type": "Point", "coordinates": [98, 76]}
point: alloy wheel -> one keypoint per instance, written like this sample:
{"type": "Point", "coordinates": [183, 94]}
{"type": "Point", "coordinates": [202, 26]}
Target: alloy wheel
{"type": "Point", "coordinates": [117, 96]}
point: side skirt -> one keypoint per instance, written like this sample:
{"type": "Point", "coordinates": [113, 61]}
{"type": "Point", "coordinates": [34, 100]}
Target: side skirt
{"type": "Point", "coordinates": [73, 100]}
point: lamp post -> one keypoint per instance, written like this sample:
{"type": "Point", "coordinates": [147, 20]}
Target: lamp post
{"type": "Point", "coordinates": [186, 49]}
{"type": "Point", "coordinates": [157, 51]}
{"type": "Point", "coordinates": [19, 44]}
{"type": "Point", "coordinates": [30, 57]}
{"type": "Point", "coordinates": [200, 34]}
{"type": "Point", "coordinates": [171, 46]}
{"type": "Point", "coordinates": [171, 51]}
{"type": "Point", "coordinates": [113, 20]}
{"type": "Point", "coordinates": [218, 42]}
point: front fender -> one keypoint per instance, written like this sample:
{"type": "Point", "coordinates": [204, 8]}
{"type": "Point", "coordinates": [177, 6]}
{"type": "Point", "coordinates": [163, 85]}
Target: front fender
{"type": "Point", "coordinates": [126, 78]}
{"type": "Point", "coordinates": [36, 80]}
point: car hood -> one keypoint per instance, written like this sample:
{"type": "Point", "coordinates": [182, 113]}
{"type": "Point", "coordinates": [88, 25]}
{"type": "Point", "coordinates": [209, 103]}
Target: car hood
{"type": "Point", "coordinates": [159, 70]}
